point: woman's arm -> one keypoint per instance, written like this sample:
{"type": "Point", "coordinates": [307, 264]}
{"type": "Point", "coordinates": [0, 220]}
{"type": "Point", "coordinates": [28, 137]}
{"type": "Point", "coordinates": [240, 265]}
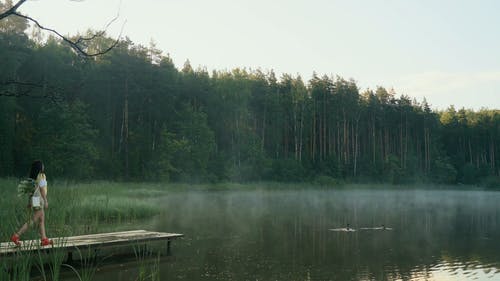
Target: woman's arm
{"type": "Point", "coordinates": [42, 183]}
{"type": "Point", "coordinates": [43, 192]}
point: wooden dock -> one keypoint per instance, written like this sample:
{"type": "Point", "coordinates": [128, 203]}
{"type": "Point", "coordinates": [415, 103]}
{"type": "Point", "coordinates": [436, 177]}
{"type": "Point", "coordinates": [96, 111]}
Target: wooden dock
{"type": "Point", "coordinates": [91, 241]}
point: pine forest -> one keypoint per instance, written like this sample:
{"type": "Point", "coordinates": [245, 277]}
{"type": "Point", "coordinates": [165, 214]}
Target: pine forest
{"type": "Point", "coordinates": [131, 115]}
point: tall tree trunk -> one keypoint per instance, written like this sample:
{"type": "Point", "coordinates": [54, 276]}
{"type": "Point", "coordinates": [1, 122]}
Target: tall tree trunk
{"type": "Point", "coordinates": [427, 146]}
{"type": "Point", "coordinates": [324, 124]}
{"type": "Point", "coordinates": [301, 131]}
{"type": "Point", "coordinates": [313, 137]}
{"type": "Point", "coordinates": [401, 152]}
{"type": "Point", "coordinates": [356, 147]}
{"type": "Point", "coordinates": [238, 154]}
{"type": "Point", "coordinates": [339, 144]}
{"type": "Point", "coordinates": [470, 153]}
{"type": "Point", "coordinates": [492, 153]}
{"type": "Point", "coordinates": [320, 136]}
{"type": "Point", "coordinates": [406, 142]}
{"type": "Point", "coordinates": [124, 130]}
{"type": "Point", "coordinates": [113, 131]}
{"type": "Point", "coordinates": [263, 139]}
{"type": "Point", "coordinates": [295, 133]}
{"type": "Point", "coordinates": [374, 141]}
{"type": "Point", "coordinates": [345, 147]}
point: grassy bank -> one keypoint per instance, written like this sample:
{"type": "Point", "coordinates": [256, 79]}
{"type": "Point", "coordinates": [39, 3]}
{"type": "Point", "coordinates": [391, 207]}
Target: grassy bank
{"type": "Point", "coordinates": [74, 209]}
{"type": "Point", "coordinates": [79, 208]}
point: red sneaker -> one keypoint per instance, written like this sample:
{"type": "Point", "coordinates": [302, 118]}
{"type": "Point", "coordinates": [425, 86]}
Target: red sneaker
{"type": "Point", "coordinates": [15, 239]}
{"type": "Point", "coordinates": [46, 241]}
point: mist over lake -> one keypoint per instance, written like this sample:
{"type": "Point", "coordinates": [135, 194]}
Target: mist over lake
{"type": "Point", "coordinates": [286, 235]}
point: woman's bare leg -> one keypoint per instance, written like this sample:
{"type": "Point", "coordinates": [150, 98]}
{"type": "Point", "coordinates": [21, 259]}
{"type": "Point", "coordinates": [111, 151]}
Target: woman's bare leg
{"type": "Point", "coordinates": [23, 229]}
{"type": "Point", "coordinates": [41, 223]}
{"type": "Point", "coordinates": [26, 225]}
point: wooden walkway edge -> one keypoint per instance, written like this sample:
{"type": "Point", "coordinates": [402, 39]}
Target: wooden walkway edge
{"type": "Point", "coordinates": [92, 241]}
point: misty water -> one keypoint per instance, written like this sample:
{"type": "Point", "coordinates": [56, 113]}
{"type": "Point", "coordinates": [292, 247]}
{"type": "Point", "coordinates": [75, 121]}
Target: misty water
{"type": "Point", "coordinates": [286, 235]}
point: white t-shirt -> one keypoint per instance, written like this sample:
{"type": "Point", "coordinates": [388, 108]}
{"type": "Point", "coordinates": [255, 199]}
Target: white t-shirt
{"type": "Point", "coordinates": [42, 183]}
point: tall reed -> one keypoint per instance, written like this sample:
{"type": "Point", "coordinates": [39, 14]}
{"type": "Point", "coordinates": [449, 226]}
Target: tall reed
{"type": "Point", "coordinates": [149, 263]}
{"type": "Point", "coordinates": [74, 209]}
{"type": "Point", "coordinates": [22, 262]}
{"type": "Point", "coordinates": [88, 265]}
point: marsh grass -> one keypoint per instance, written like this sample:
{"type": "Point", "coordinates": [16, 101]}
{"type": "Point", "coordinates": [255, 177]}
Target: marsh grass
{"type": "Point", "coordinates": [56, 258]}
{"type": "Point", "coordinates": [149, 263]}
{"type": "Point", "coordinates": [21, 267]}
{"type": "Point", "coordinates": [155, 268]}
{"type": "Point", "coordinates": [141, 253]}
{"type": "Point", "coordinates": [21, 264]}
{"type": "Point", "coordinates": [4, 270]}
{"type": "Point", "coordinates": [74, 209]}
{"type": "Point", "coordinates": [88, 265]}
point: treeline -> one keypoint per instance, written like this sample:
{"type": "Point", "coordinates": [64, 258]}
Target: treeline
{"type": "Point", "coordinates": [132, 115]}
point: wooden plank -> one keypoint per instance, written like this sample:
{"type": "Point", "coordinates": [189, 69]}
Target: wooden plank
{"type": "Point", "coordinates": [99, 240]}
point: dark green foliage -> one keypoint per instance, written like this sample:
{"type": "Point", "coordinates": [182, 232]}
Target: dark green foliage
{"type": "Point", "coordinates": [491, 182]}
{"type": "Point", "coordinates": [288, 170]}
{"type": "Point", "coordinates": [198, 140]}
{"type": "Point", "coordinates": [443, 171]}
{"type": "Point", "coordinates": [65, 140]}
{"type": "Point", "coordinates": [7, 141]}
{"type": "Point", "coordinates": [327, 181]}
{"type": "Point", "coordinates": [469, 174]}
{"type": "Point", "coordinates": [392, 170]}
{"type": "Point", "coordinates": [131, 115]}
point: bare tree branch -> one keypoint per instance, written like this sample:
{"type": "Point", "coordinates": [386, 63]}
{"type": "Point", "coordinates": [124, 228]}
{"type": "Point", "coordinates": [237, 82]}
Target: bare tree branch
{"type": "Point", "coordinates": [12, 10]}
{"type": "Point", "coordinates": [74, 44]}
{"type": "Point", "coordinates": [100, 33]}
{"type": "Point", "coordinates": [13, 88]}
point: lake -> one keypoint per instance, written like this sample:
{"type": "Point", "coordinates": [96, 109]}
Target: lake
{"type": "Point", "coordinates": [287, 235]}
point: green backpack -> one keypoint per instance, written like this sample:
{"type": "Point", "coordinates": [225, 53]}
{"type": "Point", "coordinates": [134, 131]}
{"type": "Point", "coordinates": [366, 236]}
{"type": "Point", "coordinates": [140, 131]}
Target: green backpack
{"type": "Point", "coordinates": [26, 187]}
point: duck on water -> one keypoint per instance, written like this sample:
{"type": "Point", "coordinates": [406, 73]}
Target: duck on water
{"type": "Point", "coordinates": [383, 227]}
{"type": "Point", "coordinates": [343, 229]}
{"type": "Point", "coordinates": [349, 229]}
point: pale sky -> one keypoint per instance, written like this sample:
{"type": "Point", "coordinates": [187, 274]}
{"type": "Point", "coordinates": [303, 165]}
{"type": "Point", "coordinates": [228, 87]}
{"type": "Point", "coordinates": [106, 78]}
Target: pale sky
{"type": "Point", "coordinates": [445, 50]}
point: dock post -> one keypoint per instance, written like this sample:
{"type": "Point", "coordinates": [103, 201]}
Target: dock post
{"type": "Point", "coordinates": [69, 259]}
{"type": "Point", "coordinates": [96, 253]}
{"type": "Point", "coordinates": [169, 252]}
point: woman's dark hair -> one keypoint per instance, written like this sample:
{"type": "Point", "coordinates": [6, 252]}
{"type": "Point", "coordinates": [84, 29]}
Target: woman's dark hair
{"type": "Point", "coordinates": [36, 168]}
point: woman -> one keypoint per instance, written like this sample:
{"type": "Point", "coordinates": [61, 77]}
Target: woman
{"type": "Point", "coordinates": [37, 204]}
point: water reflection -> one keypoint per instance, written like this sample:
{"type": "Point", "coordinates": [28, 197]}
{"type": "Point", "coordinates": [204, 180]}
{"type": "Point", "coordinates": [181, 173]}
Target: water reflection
{"type": "Point", "coordinates": [285, 235]}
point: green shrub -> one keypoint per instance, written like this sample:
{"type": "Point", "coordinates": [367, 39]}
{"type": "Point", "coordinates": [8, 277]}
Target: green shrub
{"type": "Point", "coordinates": [327, 181]}
{"type": "Point", "coordinates": [491, 182]}
{"type": "Point", "coordinates": [288, 170]}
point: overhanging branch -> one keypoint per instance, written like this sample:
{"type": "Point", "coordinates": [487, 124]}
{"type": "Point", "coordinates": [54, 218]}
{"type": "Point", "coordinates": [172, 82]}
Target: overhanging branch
{"type": "Point", "coordinates": [12, 10]}
{"type": "Point", "coordinates": [12, 88]}
{"type": "Point", "coordinates": [74, 44]}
